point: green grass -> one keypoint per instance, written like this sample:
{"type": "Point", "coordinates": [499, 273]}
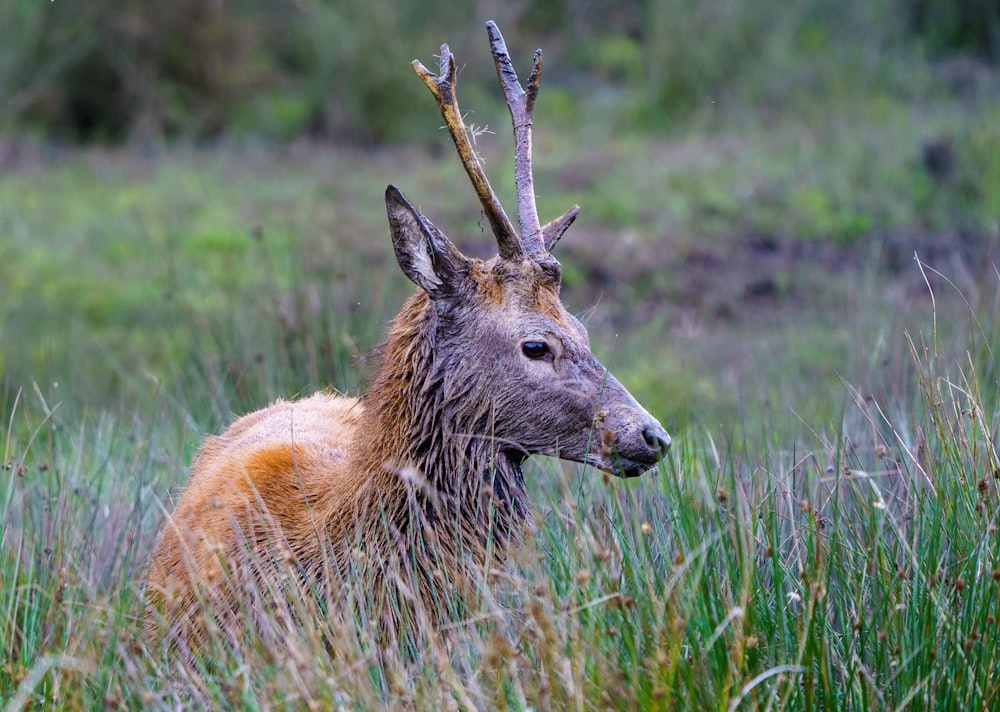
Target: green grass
{"type": "Point", "coordinates": [108, 258]}
{"type": "Point", "coordinates": [823, 535]}
{"type": "Point", "coordinates": [852, 563]}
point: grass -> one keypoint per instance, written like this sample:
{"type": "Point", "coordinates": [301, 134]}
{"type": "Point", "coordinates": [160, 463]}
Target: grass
{"type": "Point", "coordinates": [823, 542]}
{"type": "Point", "coordinates": [850, 564]}
{"type": "Point", "coordinates": [233, 225]}
{"type": "Point", "coordinates": [823, 534]}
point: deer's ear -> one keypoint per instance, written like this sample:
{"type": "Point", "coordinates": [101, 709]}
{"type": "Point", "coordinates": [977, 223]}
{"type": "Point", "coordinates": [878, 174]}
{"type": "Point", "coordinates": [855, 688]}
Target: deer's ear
{"type": "Point", "coordinates": [424, 254]}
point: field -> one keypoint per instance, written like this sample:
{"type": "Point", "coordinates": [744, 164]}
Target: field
{"type": "Point", "coordinates": [806, 301]}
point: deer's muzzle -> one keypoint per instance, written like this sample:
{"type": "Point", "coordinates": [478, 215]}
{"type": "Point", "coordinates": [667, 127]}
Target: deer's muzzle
{"type": "Point", "coordinates": [629, 440]}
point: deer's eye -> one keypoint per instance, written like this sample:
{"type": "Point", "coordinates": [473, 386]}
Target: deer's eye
{"type": "Point", "coordinates": [535, 349]}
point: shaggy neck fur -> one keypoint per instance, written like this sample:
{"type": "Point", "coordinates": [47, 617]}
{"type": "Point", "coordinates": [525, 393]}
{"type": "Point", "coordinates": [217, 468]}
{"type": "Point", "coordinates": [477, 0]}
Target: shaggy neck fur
{"type": "Point", "coordinates": [428, 447]}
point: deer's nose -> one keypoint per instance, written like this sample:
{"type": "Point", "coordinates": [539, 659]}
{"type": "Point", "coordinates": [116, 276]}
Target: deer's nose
{"type": "Point", "coordinates": [656, 438]}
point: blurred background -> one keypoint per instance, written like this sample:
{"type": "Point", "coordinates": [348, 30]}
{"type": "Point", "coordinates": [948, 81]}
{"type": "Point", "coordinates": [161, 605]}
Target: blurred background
{"type": "Point", "coordinates": [186, 188]}
{"type": "Point", "coordinates": [133, 70]}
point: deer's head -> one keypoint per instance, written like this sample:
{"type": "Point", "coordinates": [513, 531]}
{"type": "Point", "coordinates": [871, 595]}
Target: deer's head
{"type": "Point", "coordinates": [519, 364]}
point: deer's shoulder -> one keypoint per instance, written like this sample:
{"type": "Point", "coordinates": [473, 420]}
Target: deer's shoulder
{"type": "Point", "coordinates": [295, 449]}
{"type": "Point", "coordinates": [323, 418]}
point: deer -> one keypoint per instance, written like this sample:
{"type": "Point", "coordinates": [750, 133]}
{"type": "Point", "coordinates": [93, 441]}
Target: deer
{"type": "Point", "coordinates": [482, 368]}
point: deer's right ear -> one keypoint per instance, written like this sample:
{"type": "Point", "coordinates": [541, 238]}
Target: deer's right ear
{"type": "Point", "coordinates": [424, 254]}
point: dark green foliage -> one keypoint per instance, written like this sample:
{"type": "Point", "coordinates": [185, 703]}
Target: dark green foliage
{"type": "Point", "coordinates": [971, 26]}
{"type": "Point", "coordinates": [102, 69]}
{"type": "Point", "coordinates": [107, 70]}
{"type": "Point", "coordinates": [111, 69]}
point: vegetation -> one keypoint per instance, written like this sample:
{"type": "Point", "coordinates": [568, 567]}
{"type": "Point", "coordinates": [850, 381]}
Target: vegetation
{"type": "Point", "coordinates": [114, 69]}
{"type": "Point", "coordinates": [755, 183]}
{"type": "Point", "coordinates": [845, 562]}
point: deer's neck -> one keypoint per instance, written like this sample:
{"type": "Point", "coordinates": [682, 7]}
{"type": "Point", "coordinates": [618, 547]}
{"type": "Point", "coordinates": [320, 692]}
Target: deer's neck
{"type": "Point", "coordinates": [428, 442]}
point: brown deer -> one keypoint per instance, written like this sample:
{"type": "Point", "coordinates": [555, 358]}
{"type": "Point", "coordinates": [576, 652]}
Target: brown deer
{"type": "Point", "coordinates": [482, 368]}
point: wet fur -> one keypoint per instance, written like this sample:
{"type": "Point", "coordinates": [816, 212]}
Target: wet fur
{"type": "Point", "coordinates": [303, 484]}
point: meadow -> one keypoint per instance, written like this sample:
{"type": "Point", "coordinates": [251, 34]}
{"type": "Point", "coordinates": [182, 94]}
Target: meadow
{"type": "Point", "coordinates": [805, 299]}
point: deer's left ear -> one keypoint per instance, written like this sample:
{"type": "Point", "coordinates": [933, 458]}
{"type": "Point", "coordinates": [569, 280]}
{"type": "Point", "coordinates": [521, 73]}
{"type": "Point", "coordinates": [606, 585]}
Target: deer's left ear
{"type": "Point", "coordinates": [424, 254]}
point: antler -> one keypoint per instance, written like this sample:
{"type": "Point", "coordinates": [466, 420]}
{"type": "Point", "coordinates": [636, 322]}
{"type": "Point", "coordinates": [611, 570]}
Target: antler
{"type": "Point", "coordinates": [521, 103]}
{"type": "Point", "coordinates": [443, 89]}
{"type": "Point", "coordinates": [536, 241]}
{"type": "Point", "coordinates": [554, 229]}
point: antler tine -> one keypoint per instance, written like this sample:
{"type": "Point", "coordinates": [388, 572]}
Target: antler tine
{"type": "Point", "coordinates": [443, 89]}
{"type": "Point", "coordinates": [554, 229]}
{"type": "Point", "coordinates": [521, 103]}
